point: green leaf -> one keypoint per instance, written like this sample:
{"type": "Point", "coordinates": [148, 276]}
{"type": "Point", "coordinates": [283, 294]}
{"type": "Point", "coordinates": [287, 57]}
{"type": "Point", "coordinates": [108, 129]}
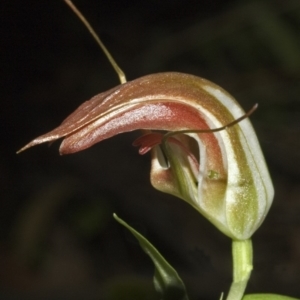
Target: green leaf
{"type": "Point", "coordinates": [166, 280]}
{"type": "Point", "coordinates": [267, 297]}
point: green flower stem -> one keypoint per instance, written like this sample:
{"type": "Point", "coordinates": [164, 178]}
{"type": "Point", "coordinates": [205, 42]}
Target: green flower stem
{"type": "Point", "coordinates": [242, 267]}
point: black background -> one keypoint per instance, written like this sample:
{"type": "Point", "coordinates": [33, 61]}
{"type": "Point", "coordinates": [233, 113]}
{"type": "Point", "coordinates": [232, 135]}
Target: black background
{"type": "Point", "coordinates": [58, 238]}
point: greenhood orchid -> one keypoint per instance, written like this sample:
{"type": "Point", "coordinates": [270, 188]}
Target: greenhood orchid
{"type": "Point", "coordinates": [221, 174]}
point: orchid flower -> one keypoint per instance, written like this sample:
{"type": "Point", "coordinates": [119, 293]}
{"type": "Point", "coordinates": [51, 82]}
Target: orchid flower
{"type": "Point", "coordinates": [222, 174]}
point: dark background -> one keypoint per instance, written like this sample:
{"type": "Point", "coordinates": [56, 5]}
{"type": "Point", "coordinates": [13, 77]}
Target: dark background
{"type": "Point", "coordinates": [58, 238]}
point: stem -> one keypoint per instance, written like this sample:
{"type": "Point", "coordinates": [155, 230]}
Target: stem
{"type": "Point", "coordinates": [99, 42]}
{"type": "Point", "coordinates": [242, 267]}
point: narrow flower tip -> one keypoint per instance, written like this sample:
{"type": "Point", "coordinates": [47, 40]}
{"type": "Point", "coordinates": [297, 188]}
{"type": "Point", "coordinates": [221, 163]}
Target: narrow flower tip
{"type": "Point", "coordinates": [39, 140]}
{"type": "Point", "coordinates": [23, 149]}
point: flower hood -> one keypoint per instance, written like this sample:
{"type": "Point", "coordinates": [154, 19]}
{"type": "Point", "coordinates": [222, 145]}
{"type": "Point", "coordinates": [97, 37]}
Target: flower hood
{"type": "Point", "coordinates": [231, 186]}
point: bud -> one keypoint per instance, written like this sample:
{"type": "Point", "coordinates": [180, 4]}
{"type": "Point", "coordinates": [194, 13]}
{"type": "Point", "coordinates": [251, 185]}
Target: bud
{"type": "Point", "coordinates": [221, 174]}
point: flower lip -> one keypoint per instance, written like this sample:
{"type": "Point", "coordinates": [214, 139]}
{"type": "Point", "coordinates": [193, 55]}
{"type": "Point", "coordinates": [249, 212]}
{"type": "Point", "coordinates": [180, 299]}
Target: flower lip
{"type": "Point", "coordinates": [148, 141]}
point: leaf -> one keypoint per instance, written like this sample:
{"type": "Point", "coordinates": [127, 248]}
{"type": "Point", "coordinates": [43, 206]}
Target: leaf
{"type": "Point", "coordinates": [267, 297]}
{"type": "Point", "coordinates": [166, 280]}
